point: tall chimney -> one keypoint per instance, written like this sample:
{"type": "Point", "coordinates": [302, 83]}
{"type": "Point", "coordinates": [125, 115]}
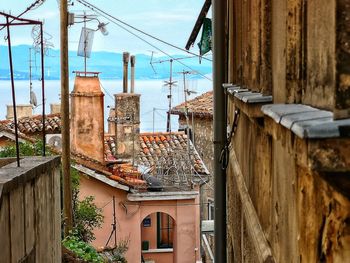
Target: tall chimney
{"type": "Point", "coordinates": [127, 124]}
{"type": "Point", "coordinates": [132, 62]}
{"type": "Point", "coordinates": [125, 71]}
{"type": "Point", "coordinates": [87, 117]}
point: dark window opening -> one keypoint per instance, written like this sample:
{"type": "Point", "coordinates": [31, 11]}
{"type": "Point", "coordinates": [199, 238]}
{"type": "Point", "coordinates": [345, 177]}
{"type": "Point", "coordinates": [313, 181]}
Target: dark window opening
{"type": "Point", "coordinates": [165, 230]}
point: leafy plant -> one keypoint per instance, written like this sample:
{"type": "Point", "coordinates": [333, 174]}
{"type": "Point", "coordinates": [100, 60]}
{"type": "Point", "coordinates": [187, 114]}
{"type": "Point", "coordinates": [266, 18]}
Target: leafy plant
{"type": "Point", "coordinates": [87, 216]}
{"type": "Point", "coordinates": [25, 149]}
{"type": "Point", "coordinates": [81, 248]}
{"type": "Point", "coordinates": [120, 249]}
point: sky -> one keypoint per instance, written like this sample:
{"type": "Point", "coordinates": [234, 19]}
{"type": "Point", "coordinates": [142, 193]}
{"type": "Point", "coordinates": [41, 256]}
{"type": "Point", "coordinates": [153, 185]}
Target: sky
{"type": "Point", "coordinates": [171, 21]}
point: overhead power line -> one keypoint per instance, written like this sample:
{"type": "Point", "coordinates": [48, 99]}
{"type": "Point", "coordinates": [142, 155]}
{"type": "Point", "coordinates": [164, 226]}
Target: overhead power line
{"type": "Point", "coordinates": [95, 8]}
{"type": "Point", "coordinates": [104, 14]}
{"type": "Point", "coordinates": [33, 6]}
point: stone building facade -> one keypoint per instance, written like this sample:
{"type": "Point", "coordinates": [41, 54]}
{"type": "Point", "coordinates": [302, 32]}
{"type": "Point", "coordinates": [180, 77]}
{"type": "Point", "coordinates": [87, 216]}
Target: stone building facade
{"type": "Point", "coordinates": [200, 122]}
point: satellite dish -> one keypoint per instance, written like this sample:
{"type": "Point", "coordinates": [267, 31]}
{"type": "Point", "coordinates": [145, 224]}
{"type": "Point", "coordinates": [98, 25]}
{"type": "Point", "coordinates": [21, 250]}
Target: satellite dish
{"type": "Point", "coordinates": [54, 140]}
{"type": "Point", "coordinates": [33, 99]}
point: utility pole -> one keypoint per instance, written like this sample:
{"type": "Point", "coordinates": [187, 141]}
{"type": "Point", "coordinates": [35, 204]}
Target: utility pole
{"type": "Point", "coordinates": [67, 183]}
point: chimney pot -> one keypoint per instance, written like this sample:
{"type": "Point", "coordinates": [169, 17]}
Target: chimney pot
{"type": "Point", "coordinates": [125, 71]}
{"type": "Point", "coordinates": [132, 62]}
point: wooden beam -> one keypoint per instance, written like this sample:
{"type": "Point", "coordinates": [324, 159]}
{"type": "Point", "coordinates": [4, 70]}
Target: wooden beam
{"type": "Point", "coordinates": [265, 46]}
{"type": "Point", "coordinates": [294, 50]}
{"type": "Point", "coordinates": [342, 90]}
{"type": "Point", "coordinates": [260, 244]}
{"type": "Point", "coordinates": [198, 24]}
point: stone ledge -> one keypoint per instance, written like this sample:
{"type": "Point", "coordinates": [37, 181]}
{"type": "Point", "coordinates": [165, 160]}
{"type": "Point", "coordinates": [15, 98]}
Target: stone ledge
{"type": "Point", "coordinates": [161, 196]}
{"type": "Point", "coordinates": [158, 250]}
{"type": "Point", "coordinates": [247, 96]}
{"type": "Point", "coordinates": [12, 176]}
{"type": "Point", "coordinates": [307, 122]}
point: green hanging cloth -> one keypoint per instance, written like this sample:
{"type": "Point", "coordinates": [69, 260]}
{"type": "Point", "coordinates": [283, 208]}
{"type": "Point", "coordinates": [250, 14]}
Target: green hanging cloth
{"type": "Point", "coordinates": [205, 43]}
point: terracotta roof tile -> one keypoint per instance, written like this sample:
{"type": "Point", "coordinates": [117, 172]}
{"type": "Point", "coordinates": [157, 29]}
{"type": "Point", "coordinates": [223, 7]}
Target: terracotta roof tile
{"type": "Point", "coordinates": [201, 106]}
{"type": "Point", "coordinates": [155, 146]}
{"type": "Point", "coordinates": [30, 125]}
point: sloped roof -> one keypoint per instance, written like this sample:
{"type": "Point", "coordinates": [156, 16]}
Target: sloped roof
{"type": "Point", "coordinates": [31, 125]}
{"type": "Point", "coordinates": [201, 106]}
{"type": "Point", "coordinates": [155, 147]}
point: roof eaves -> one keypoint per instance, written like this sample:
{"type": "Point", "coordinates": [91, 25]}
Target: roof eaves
{"type": "Point", "coordinates": [100, 177]}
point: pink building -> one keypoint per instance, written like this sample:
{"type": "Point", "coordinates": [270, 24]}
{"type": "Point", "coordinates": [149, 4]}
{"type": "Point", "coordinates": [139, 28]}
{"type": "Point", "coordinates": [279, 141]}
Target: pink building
{"type": "Point", "coordinates": [148, 184]}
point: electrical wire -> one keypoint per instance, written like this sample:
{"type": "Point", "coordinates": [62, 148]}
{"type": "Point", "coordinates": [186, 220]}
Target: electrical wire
{"type": "Point", "coordinates": [102, 13]}
{"type": "Point", "coordinates": [33, 6]}
{"type": "Point", "coordinates": [91, 6]}
{"type": "Point", "coordinates": [105, 90]}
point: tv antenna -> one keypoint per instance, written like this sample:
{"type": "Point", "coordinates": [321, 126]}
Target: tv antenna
{"type": "Point", "coordinates": [170, 83]}
{"type": "Point", "coordinates": [87, 34]}
{"type": "Point", "coordinates": [151, 61]}
{"type": "Point", "coordinates": [187, 92]}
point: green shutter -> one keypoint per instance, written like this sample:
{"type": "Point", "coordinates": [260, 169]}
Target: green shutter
{"type": "Point", "coordinates": [205, 43]}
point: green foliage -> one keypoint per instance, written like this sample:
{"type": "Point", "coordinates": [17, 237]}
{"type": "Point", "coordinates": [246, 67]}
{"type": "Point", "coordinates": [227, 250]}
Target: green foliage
{"type": "Point", "coordinates": [87, 216]}
{"type": "Point", "coordinates": [81, 249]}
{"type": "Point", "coordinates": [25, 149]}
{"type": "Point", "coordinates": [120, 249]}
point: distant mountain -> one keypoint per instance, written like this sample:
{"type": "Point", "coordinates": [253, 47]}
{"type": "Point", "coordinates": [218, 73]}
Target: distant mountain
{"type": "Point", "coordinates": [108, 63]}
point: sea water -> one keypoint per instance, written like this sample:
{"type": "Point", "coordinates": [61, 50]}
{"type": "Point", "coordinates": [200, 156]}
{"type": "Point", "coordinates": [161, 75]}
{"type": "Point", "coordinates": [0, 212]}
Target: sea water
{"type": "Point", "coordinates": [154, 101]}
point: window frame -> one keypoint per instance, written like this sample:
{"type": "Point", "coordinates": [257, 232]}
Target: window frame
{"type": "Point", "coordinates": [160, 229]}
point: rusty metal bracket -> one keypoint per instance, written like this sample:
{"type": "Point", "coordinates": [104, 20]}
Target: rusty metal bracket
{"type": "Point", "coordinates": [225, 152]}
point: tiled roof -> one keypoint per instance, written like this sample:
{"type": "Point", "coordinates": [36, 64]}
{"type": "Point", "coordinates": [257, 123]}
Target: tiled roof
{"type": "Point", "coordinates": [156, 147]}
{"type": "Point", "coordinates": [30, 125]}
{"type": "Point", "coordinates": [201, 106]}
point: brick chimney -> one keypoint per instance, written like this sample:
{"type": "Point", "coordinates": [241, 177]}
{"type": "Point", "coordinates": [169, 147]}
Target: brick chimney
{"type": "Point", "coordinates": [87, 117]}
{"type": "Point", "coordinates": [127, 124]}
{"type": "Point", "coordinates": [22, 110]}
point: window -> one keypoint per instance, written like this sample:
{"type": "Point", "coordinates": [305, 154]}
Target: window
{"type": "Point", "coordinates": [165, 230]}
{"type": "Point", "coordinates": [211, 209]}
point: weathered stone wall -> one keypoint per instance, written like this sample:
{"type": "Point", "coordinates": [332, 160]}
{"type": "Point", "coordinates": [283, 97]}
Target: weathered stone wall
{"type": "Point", "coordinates": [203, 138]}
{"type": "Point", "coordinates": [127, 124]}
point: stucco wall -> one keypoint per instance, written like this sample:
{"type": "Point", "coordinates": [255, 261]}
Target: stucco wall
{"type": "Point", "coordinates": [131, 214]}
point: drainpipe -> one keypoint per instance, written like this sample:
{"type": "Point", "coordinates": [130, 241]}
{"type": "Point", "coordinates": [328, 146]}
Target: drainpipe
{"type": "Point", "coordinates": [125, 71]}
{"type": "Point", "coordinates": [132, 74]}
{"type": "Point", "coordinates": [219, 72]}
